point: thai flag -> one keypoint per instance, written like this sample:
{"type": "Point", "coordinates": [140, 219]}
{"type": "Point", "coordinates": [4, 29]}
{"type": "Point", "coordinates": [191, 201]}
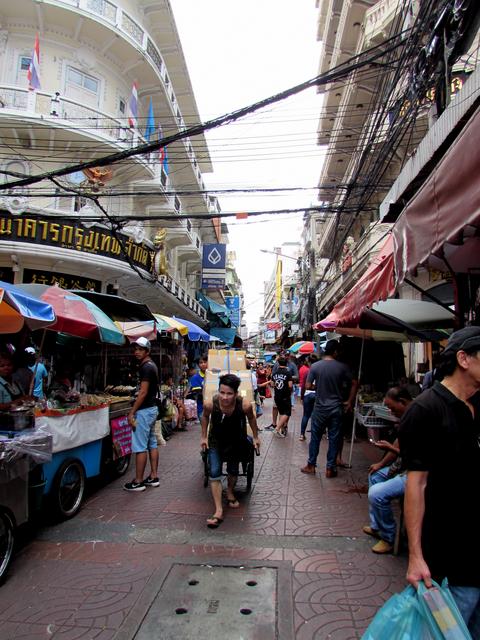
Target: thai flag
{"type": "Point", "coordinates": [133, 107]}
{"type": "Point", "coordinates": [162, 152]}
{"type": "Point", "coordinates": [33, 73]}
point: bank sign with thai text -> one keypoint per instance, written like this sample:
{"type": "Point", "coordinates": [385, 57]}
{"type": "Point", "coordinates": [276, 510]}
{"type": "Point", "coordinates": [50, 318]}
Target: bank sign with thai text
{"type": "Point", "coordinates": [214, 261]}
{"type": "Point", "coordinates": [95, 240]}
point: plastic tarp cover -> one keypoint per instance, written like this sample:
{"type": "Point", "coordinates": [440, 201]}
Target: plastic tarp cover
{"type": "Point", "coordinates": [76, 429]}
{"type": "Point", "coordinates": [33, 445]}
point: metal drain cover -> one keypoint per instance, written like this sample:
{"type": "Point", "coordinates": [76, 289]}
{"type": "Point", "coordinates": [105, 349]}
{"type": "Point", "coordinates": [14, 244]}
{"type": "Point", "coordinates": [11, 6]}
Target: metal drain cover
{"type": "Point", "coordinates": [204, 602]}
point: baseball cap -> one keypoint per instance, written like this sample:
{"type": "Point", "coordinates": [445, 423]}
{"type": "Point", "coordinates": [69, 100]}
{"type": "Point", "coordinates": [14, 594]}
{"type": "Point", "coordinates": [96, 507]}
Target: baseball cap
{"type": "Point", "coordinates": [30, 350]}
{"type": "Point", "coordinates": [463, 340]}
{"type": "Point", "coordinates": [143, 342]}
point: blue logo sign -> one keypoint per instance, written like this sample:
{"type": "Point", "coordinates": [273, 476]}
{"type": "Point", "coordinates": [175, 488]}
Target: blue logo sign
{"type": "Point", "coordinates": [233, 305]}
{"type": "Point", "coordinates": [214, 256]}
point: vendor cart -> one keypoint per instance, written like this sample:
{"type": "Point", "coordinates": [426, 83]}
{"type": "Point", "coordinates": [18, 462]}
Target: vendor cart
{"type": "Point", "coordinates": [77, 454]}
{"type": "Point", "coordinates": [87, 441]}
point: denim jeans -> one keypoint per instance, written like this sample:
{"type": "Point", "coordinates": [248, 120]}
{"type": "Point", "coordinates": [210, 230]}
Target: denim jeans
{"type": "Point", "coordinates": [308, 404]}
{"type": "Point", "coordinates": [468, 601]}
{"type": "Point", "coordinates": [144, 438]}
{"type": "Point", "coordinates": [215, 464]}
{"type": "Point", "coordinates": [382, 490]}
{"type": "Point", "coordinates": [325, 418]}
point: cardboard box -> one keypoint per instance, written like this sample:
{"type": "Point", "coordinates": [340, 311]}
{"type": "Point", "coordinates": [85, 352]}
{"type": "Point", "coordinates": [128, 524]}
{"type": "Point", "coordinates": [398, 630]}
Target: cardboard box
{"type": "Point", "coordinates": [210, 386]}
{"type": "Point", "coordinates": [226, 360]}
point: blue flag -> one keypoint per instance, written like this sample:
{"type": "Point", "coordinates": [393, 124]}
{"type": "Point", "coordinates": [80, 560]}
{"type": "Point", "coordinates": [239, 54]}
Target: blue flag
{"type": "Point", "coordinates": [150, 122]}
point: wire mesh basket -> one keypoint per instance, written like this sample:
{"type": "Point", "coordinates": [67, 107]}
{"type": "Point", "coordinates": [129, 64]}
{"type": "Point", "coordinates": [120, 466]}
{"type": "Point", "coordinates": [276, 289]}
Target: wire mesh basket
{"type": "Point", "coordinates": [377, 419]}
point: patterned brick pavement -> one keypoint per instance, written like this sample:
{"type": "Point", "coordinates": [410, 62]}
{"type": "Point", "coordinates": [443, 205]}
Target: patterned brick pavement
{"type": "Point", "coordinates": [81, 579]}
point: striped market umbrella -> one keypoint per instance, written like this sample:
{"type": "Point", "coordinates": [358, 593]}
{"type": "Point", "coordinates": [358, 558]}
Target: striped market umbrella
{"type": "Point", "coordinates": [304, 346]}
{"type": "Point", "coordinates": [164, 323]}
{"type": "Point", "coordinates": [18, 308]}
{"type": "Point", "coordinates": [76, 316]}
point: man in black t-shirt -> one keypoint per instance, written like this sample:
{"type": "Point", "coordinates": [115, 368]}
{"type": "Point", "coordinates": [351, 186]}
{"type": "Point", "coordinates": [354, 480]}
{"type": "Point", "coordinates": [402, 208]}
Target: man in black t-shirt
{"type": "Point", "coordinates": [439, 443]}
{"type": "Point", "coordinates": [142, 418]}
{"type": "Point", "coordinates": [282, 394]}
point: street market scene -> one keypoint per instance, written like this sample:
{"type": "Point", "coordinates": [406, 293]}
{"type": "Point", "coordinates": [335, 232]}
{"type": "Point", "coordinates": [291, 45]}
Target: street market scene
{"type": "Point", "coordinates": [239, 320]}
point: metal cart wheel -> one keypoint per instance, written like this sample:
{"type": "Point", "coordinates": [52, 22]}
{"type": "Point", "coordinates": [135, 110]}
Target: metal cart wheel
{"type": "Point", "coordinates": [7, 542]}
{"type": "Point", "coordinates": [68, 489]}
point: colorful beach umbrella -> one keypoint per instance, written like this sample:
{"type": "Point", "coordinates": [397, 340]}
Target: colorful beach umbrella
{"type": "Point", "coordinates": [18, 308]}
{"type": "Point", "coordinates": [195, 333]}
{"type": "Point", "coordinates": [133, 330]}
{"type": "Point", "coordinates": [165, 323]}
{"type": "Point", "coordinates": [303, 346]}
{"type": "Point", "coordinates": [76, 316]}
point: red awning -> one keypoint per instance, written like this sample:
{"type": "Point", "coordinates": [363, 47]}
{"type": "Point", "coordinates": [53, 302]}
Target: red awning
{"type": "Point", "coordinates": [377, 283]}
{"type": "Point", "coordinates": [444, 217]}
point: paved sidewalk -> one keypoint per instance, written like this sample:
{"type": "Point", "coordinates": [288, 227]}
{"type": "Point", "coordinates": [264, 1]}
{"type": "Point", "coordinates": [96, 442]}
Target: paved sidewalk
{"type": "Point", "coordinates": [96, 576]}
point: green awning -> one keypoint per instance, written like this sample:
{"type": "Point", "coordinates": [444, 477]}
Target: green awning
{"type": "Point", "coordinates": [215, 309]}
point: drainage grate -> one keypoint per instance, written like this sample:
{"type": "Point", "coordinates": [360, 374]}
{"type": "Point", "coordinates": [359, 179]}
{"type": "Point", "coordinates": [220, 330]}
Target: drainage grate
{"type": "Point", "coordinates": [204, 602]}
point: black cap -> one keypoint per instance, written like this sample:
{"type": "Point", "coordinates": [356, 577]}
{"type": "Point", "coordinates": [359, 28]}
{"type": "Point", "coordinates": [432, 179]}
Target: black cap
{"type": "Point", "coordinates": [465, 339]}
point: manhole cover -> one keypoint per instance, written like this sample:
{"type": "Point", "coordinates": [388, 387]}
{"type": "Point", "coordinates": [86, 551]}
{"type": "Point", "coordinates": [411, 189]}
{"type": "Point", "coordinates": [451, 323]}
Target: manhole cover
{"type": "Point", "coordinates": [205, 602]}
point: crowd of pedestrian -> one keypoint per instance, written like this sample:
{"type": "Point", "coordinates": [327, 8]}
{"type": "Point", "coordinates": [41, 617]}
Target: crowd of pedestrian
{"type": "Point", "coordinates": [432, 464]}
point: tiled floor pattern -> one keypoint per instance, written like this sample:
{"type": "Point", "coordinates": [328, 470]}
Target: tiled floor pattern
{"type": "Point", "coordinates": [67, 585]}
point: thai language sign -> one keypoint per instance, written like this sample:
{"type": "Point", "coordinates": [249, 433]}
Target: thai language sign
{"type": "Point", "coordinates": [73, 236]}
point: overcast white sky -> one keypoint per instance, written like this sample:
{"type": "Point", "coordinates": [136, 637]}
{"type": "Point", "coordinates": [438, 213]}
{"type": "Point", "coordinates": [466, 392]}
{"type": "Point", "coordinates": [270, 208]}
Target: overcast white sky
{"type": "Point", "coordinates": [238, 53]}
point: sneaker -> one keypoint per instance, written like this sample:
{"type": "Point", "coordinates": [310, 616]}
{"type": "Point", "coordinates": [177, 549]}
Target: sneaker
{"type": "Point", "coordinates": [271, 427]}
{"type": "Point", "coordinates": [151, 482]}
{"type": "Point", "coordinates": [134, 486]}
{"type": "Point", "coordinates": [382, 546]}
{"type": "Point", "coordinates": [279, 434]}
{"type": "Point", "coordinates": [371, 532]}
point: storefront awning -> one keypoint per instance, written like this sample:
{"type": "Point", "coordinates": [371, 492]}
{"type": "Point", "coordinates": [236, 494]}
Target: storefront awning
{"type": "Point", "coordinates": [214, 308]}
{"type": "Point", "coordinates": [377, 283]}
{"type": "Point", "coordinates": [443, 219]}
{"type": "Point", "coordinates": [226, 335]}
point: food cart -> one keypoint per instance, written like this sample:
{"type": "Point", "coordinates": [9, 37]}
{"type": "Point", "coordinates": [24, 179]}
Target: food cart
{"type": "Point", "coordinates": [88, 440]}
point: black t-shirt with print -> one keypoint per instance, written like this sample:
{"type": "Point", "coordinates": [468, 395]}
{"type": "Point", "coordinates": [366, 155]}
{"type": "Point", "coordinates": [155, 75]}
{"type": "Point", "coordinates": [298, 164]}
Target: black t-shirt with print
{"type": "Point", "coordinates": [148, 372]}
{"type": "Point", "coordinates": [281, 378]}
{"type": "Point", "coordinates": [438, 434]}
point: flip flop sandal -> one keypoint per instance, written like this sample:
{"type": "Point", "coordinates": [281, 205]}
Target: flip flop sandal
{"type": "Point", "coordinates": [214, 522]}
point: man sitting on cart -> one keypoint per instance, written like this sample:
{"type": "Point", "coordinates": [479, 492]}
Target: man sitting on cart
{"type": "Point", "coordinates": [226, 440]}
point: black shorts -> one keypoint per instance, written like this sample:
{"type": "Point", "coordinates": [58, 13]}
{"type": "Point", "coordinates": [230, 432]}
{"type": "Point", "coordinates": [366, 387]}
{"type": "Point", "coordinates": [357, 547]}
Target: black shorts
{"type": "Point", "coordinates": [284, 406]}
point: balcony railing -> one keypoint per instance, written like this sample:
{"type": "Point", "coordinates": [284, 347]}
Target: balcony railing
{"type": "Point", "coordinates": [54, 107]}
{"type": "Point", "coordinates": [179, 292]}
{"type": "Point", "coordinates": [120, 20]}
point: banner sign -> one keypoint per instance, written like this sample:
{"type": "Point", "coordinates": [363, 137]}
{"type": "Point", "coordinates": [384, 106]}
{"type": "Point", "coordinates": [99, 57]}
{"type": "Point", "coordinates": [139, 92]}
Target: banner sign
{"type": "Point", "coordinates": [63, 280]}
{"type": "Point", "coordinates": [214, 262]}
{"type": "Point", "coordinates": [233, 305]}
{"type": "Point", "coordinates": [96, 240]}
{"type": "Point", "coordinates": [121, 436]}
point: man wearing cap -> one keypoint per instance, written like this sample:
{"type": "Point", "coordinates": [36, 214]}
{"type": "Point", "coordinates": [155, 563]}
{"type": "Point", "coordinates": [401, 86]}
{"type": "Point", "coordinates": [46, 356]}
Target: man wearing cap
{"type": "Point", "coordinates": [439, 442]}
{"type": "Point", "coordinates": [142, 417]}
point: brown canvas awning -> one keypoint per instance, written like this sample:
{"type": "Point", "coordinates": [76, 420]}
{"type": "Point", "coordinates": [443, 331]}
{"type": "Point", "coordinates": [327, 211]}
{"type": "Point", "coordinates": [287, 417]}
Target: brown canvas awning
{"type": "Point", "coordinates": [377, 283]}
{"type": "Point", "coordinates": [443, 219]}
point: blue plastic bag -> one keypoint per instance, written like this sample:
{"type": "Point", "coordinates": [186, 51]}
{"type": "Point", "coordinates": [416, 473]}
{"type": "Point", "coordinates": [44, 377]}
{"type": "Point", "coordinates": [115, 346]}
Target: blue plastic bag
{"type": "Point", "coordinates": [426, 614]}
{"type": "Point", "coordinates": [400, 618]}
{"type": "Point", "coordinates": [441, 612]}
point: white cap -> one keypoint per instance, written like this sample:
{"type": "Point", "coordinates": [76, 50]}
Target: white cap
{"type": "Point", "coordinates": [143, 342]}
{"type": "Point", "coordinates": [30, 350]}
